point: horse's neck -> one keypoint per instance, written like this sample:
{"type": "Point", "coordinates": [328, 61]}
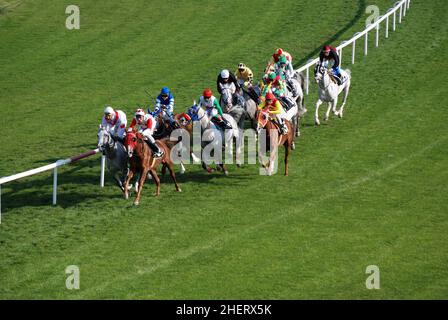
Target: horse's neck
{"type": "Point", "coordinates": [204, 120]}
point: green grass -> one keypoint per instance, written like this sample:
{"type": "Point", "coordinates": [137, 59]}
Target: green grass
{"type": "Point", "coordinates": [367, 189]}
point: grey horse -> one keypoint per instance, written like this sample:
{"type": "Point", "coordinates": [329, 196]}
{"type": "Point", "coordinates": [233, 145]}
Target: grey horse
{"type": "Point", "coordinates": [116, 156]}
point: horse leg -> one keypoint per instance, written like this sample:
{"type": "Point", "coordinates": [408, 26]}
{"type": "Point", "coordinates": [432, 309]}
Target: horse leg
{"type": "Point", "coordinates": [287, 144]}
{"type": "Point", "coordinates": [156, 179]}
{"type": "Point", "coordinates": [316, 115]}
{"type": "Point", "coordinates": [118, 181]}
{"type": "Point", "coordinates": [224, 168]}
{"type": "Point", "coordinates": [163, 169]}
{"type": "Point", "coordinates": [182, 168]}
{"type": "Point", "coordinates": [141, 182]}
{"type": "Point", "coordinates": [126, 184]}
{"type": "Point", "coordinates": [344, 100]}
{"type": "Point", "coordinates": [173, 176]}
{"type": "Point", "coordinates": [207, 168]}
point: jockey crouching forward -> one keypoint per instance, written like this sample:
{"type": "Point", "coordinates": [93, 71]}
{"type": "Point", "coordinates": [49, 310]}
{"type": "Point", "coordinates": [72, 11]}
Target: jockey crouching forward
{"type": "Point", "coordinates": [284, 69]}
{"type": "Point", "coordinates": [165, 105]}
{"type": "Point", "coordinates": [277, 85]}
{"type": "Point", "coordinates": [225, 80]}
{"type": "Point", "coordinates": [245, 77]}
{"type": "Point", "coordinates": [213, 109]}
{"type": "Point", "coordinates": [329, 53]}
{"type": "Point", "coordinates": [146, 125]}
{"type": "Point", "coordinates": [114, 121]}
{"type": "Point", "coordinates": [275, 109]}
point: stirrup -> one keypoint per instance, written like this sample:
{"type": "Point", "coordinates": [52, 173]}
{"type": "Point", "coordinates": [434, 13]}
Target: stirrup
{"type": "Point", "coordinates": [158, 154]}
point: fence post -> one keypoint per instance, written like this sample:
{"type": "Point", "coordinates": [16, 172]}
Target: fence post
{"type": "Point", "coordinates": [307, 80]}
{"type": "Point", "coordinates": [404, 8]}
{"type": "Point", "coordinates": [387, 27]}
{"type": "Point", "coordinates": [366, 43]}
{"type": "Point", "coordinates": [409, 2]}
{"type": "Point", "coordinates": [55, 185]}
{"type": "Point", "coordinates": [0, 204]}
{"type": "Point", "coordinates": [103, 165]}
{"type": "Point", "coordinates": [377, 39]}
{"type": "Point", "coordinates": [340, 57]}
{"type": "Point", "coordinates": [401, 13]}
{"type": "Point", "coordinates": [353, 52]}
{"type": "Point", "coordinates": [395, 18]}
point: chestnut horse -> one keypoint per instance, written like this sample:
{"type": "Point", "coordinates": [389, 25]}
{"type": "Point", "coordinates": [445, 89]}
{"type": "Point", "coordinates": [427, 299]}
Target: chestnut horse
{"type": "Point", "coordinates": [274, 140]}
{"type": "Point", "coordinates": [141, 161]}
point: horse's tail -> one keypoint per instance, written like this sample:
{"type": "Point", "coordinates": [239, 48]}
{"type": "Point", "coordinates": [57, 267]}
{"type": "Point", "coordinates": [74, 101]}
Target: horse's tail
{"type": "Point", "coordinates": [349, 73]}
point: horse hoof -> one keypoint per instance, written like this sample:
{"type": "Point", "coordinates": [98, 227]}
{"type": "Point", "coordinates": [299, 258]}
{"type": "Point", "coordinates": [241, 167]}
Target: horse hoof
{"type": "Point", "coordinates": [126, 196]}
{"type": "Point", "coordinates": [156, 194]}
{"type": "Point", "coordinates": [340, 115]}
{"type": "Point", "coordinates": [238, 165]}
{"type": "Point", "coordinates": [210, 170]}
{"type": "Point", "coordinates": [293, 146]}
{"type": "Point", "coordinates": [179, 190]}
{"type": "Point", "coordinates": [226, 172]}
{"type": "Point", "coordinates": [317, 122]}
{"type": "Point", "coordinates": [182, 172]}
{"type": "Point", "coordinates": [136, 203]}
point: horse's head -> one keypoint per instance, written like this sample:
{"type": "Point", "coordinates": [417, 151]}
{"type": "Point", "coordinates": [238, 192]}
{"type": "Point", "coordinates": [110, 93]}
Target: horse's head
{"type": "Point", "coordinates": [262, 119]}
{"type": "Point", "coordinates": [130, 141]}
{"type": "Point", "coordinates": [227, 97]}
{"type": "Point", "coordinates": [193, 112]}
{"type": "Point", "coordinates": [183, 119]}
{"type": "Point", "coordinates": [104, 139]}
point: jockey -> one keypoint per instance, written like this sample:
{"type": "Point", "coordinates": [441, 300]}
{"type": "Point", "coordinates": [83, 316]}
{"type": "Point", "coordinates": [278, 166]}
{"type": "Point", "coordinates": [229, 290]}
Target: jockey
{"type": "Point", "coordinates": [114, 121]}
{"type": "Point", "coordinates": [274, 108]}
{"type": "Point", "coordinates": [276, 85]}
{"type": "Point", "coordinates": [146, 126]}
{"type": "Point", "coordinates": [275, 57]}
{"type": "Point", "coordinates": [226, 79]}
{"type": "Point", "coordinates": [244, 75]}
{"type": "Point", "coordinates": [213, 109]}
{"type": "Point", "coordinates": [165, 104]}
{"type": "Point", "coordinates": [329, 53]}
{"type": "Point", "coordinates": [284, 69]}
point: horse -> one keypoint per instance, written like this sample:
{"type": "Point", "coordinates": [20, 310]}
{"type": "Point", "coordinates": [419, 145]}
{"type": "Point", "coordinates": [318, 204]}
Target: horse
{"type": "Point", "coordinates": [329, 90]}
{"type": "Point", "coordinates": [142, 161]}
{"type": "Point", "coordinates": [210, 132]}
{"type": "Point", "coordinates": [274, 140]}
{"type": "Point", "coordinates": [116, 156]}
{"type": "Point", "coordinates": [164, 129]}
{"type": "Point", "coordinates": [237, 112]}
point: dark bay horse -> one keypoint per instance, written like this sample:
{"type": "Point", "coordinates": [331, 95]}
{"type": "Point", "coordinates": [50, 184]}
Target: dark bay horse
{"type": "Point", "coordinates": [141, 161]}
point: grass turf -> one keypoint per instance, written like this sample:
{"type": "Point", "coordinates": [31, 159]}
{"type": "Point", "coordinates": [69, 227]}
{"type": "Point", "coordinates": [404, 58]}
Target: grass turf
{"type": "Point", "coordinates": [366, 189]}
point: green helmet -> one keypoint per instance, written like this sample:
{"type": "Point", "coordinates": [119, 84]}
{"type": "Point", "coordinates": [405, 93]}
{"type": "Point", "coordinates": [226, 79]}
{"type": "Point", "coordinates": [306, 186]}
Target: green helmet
{"type": "Point", "coordinates": [282, 59]}
{"type": "Point", "coordinates": [272, 76]}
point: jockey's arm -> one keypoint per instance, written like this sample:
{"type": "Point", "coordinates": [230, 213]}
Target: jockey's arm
{"type": "Point", "coordinates": [217, 106]}
{"type": "Point", "coordinates": [277, 109]}
{"type": "Point", "coordinates": [335, 57]}
{"type": "Point", "coordinates": [261, 105]}
{"type": "Point", "coordinates": [104, 123]}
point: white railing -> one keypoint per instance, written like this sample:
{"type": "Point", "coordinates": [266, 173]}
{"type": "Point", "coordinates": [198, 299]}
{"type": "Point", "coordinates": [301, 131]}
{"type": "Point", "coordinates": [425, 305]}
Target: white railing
{"type": "Point", "coordinates": [400, 6]}
{"type": "Point", "coordinates": [53, 166]}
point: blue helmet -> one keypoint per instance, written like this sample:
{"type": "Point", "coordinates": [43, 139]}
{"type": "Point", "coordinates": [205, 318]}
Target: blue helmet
{"type": "Point", "coordinates": [165, 90]}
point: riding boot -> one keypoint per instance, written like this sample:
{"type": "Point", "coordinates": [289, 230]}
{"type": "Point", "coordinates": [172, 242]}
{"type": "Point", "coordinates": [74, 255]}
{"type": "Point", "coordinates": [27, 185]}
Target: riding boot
{"type": "Point", "coordinates": [282, 125]}
{"type": "Point", "coordinates": [157, 152]}
{"type": "Point", "coordinates": [293, 88]}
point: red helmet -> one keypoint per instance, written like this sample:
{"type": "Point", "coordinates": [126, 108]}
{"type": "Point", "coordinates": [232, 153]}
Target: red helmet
{"type": "Point", "coordinates": [278, 52]}
{"type": "Point", "coordinates": [207, 93]}
{"type": "Point", "coordinates": [270, 96]}
{"type": "Point", "coordinates": [327, 48]}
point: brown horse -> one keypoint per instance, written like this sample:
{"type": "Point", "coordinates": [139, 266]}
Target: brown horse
{"type": "Point", "coordinates": [165, 128]}
{"type": "Point", "coordinates": [141, 161]}
{"type": "Point", "coordinates": [274, 140]}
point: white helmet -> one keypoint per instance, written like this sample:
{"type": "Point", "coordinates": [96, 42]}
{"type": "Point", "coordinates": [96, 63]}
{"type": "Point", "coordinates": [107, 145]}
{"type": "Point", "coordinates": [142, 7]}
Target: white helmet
{"type": "Point", "coordinates": [109, 110]}
{"type": "Point", "coordinates": [225, 74]}
{"type": "Point", "coordinates": [139, 112]}
{"type": "Point", "coordinates": [241, 66]}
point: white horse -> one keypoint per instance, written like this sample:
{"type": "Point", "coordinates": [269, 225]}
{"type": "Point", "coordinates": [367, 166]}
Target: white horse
{"type": "Point", "coordinates": [116, 156]}
{"type": "Point", "coordinates": [210, 132]}
{"type": "Point", "coordinates": [329, 91]}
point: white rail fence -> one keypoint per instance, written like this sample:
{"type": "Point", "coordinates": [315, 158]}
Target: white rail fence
{"type": "Point", "coordinates": [54, 166]}
{"type": "Point", "coordinates": [401, 7]}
